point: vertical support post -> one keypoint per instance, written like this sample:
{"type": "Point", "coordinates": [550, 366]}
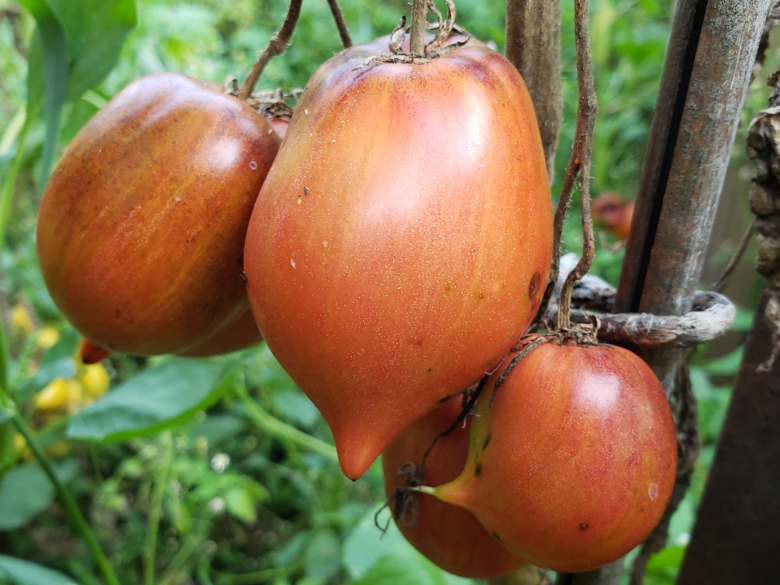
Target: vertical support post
{"type": "Point", "coordinates": [707, 71]}
{"type": "Point", "coordinates": [708, 65]}
{"type": "Point", "coordinates": [735, 537]}
{"type": "Point", "coordinates": [533, 46]}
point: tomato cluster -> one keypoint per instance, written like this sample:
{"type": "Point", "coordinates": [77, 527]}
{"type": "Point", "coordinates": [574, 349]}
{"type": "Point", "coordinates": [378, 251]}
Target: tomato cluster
{"type": "Point", "coordinates": [399, 246]}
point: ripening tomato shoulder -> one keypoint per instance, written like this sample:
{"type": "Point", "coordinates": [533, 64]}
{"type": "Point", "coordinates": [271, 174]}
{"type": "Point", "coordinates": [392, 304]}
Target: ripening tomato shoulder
{"type": "Point", "coordinates": [573, 465]}
{"type": "Point", "coordinates": [447, 535]}
{"type": "Point", "coordinates": [402, 241]}
{"type": "Point", "coordinates": [142, 225]}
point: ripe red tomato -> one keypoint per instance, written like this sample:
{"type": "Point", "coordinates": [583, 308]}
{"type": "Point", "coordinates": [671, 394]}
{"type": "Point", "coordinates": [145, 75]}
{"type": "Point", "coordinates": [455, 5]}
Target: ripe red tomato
{"type": "Point", "coordinates": [402, 240]}
{"type": "Point", "coordinates": [142, 225]}
{"type": "Point", "coordinates": [573, 465]}
{"type": "Point", "coordinates": [240, 333]}
{"type": "Point", "coordinates": [449, 536]}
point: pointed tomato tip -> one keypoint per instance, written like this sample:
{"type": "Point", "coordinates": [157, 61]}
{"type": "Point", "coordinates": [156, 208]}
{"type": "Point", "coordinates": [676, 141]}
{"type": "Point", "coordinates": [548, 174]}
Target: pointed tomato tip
{"type": "Point", "coordinates": [91, 353]}
{"type": "Point", "coordinates": [356, 459]}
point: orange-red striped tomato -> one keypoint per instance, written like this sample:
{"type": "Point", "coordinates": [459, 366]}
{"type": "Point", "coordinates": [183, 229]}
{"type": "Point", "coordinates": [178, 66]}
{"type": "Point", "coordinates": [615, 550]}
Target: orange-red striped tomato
{"type": "Point", "coordinates": [449, 536]}
{"type": "Point", "coordinates": [401, 243]}
{"type": "Point", "coordinates": [575, 462]}
{"type": "Point", "coordinates": [142, 225]}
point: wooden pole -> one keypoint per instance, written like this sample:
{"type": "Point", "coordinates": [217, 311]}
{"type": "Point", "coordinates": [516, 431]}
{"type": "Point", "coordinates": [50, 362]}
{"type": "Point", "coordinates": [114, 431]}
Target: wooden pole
{"type": "Point", "coordinates": [533, 46]}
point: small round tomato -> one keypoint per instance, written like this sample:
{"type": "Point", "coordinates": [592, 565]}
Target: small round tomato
{"type": "Point", "coordinates": [573, 465]}
{"type": "Point", "coordinates": [142, 224]}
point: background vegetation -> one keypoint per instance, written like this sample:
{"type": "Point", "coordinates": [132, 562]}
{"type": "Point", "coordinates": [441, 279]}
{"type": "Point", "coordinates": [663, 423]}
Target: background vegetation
{"type": "Point", "coordinates": [232, 479]}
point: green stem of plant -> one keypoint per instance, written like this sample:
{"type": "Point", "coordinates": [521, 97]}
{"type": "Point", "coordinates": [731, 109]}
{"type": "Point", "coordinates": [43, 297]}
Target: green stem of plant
{"type": "Point", "coordinates": [155, 510]}
{"type": "Point", "coordinates": [6, 196]}
{"type": "Point", "coordinates": [280, 430]}
{"type": "Point", "coordinates": [256, 577]}
{"type": "Point", "coordinates": [65, 496]}
{"type": "Point", "coordinates": [179, 559]}
{"type": "Point", "coordinates": [12, 458]}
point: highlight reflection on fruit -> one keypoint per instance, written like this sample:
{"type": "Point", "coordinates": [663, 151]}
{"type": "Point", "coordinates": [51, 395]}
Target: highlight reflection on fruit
{"type": "Point", "coordinates": [447, 535]}
{"type": "Point", "coordinates": [142, 224]}
{"type": "Point", "coordinates": [573, 465]}
{"type": "Point", "coordinates": [402, 240]}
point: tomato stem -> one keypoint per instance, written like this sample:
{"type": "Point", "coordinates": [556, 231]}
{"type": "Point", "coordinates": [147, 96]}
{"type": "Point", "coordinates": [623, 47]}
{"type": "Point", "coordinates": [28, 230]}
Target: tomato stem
{"type": "Point", "coordinates": [579, 164]}
{"type": "Point", "coordinates": [276, 46]}
{"type": "Point", "coordinates": [419, 22]}
{"type": "Point", "coordinates": [335, 9]}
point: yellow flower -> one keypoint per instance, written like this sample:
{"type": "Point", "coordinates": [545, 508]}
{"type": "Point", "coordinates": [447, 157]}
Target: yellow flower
{"type": "Point", "coordinates": [52, 397]}
{"type": "Point", "coordinates": [94, 378]}
{"type": "Point", "coordinates": [21, 320]}
{"type": "Point", "coordinates": [47, 337]}
{"type": "Point", "coordinates": [75, 395]}
{"type": "Point", "coordinates": [58, 449]}
{"type": "Point", "coordinates": [20, 443]}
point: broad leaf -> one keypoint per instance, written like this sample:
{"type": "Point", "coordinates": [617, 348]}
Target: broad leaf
{"type": "Point", "coordinates": [21, 572]}
{"type": "Point", "coordinates": [159, 397]}
{"type": "Point", "coordinates": [74, 47]}
{"type": "Point", "coordinates": [47, 77]}
{"type": "Point", "coordinates": [26, 491]}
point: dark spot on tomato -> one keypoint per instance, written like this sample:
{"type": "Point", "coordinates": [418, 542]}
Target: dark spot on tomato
{"type": "Point", "coordinates": [533, 288]}
{"type": "Point", "coordinates": [430, 369]}
{"type": "Point", "coordinates": [497, 537]}
{"type": "Point", "coordinates": [480, 295]}
{"type": "Point", "coordinates": [118, 313]}
{"type": "Point", "coordinates": [584, 526]}
{"type": "Point", "coordinates": [478, 470]}
{"type": "Point", "coordinates": [443, 400]}
{"type": "Point", "coordinates": [447, 287]}
{"type": "Point", "coordinates": [487, 441]}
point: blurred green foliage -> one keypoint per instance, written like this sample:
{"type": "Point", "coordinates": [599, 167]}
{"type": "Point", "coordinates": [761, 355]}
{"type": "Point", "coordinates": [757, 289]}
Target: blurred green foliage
{"type": "Point", "coordinates": [236, 503]}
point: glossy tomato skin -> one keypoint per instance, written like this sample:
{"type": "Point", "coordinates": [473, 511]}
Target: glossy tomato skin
{"type": "Point", "coordinates": [447, 535]}
{"type": "Point", "coordinates": [240, 333]}
{"type": "Point", "coordinates": [142, 224]}
{"type": "Point", "coordinates": [402, 240]}
{"type": "Point", "coordinates": [575, 462]}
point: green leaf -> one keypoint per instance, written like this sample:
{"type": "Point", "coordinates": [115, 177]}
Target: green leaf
{"type": "Point", "coordinates": [4, 415]}
{"type": "Point", "coordinates": [323, 555]}
{"type": "Point", "coordinates": [296, 406]}
{"type": "Point", "coordinates": [95, 31]}
{"type": "Point", "coordinates": [74, 47]}
{"type": "Point", "coordinates": [26, 491]}
{"type": "Point", "coordinates": [47, 78]}
{"type": "Point", "coordinates": [21, 572]}
{"type": "Point", "coordinates": [366, 544]}
{"type": "Point", "coordinates": [158, 398]}
{"type": "Point", "coordinates": [395, 569]}
{"type": "Point", "coordinates": [218, 428]}
{"type": "Point", "coordinates": [241, 505]}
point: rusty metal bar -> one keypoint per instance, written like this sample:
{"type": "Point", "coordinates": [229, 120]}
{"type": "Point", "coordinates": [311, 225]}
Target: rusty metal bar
{"type": "Point", "coordinates": [735, 539]}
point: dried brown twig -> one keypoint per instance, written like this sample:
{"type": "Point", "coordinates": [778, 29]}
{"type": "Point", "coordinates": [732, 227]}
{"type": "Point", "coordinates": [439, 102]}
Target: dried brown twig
{"type": "Point", "coordinates": [579, 165]}
{"type": "Point", "coordinates": [335, 9]}
{"type": "Point", "coordinates": [276, 46]}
